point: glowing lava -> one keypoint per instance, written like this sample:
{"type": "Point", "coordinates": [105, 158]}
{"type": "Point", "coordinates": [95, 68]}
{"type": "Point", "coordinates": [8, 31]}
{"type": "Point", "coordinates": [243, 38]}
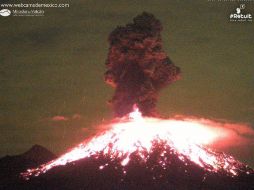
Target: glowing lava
{"type": "Point", "coordinates": [186, 137]}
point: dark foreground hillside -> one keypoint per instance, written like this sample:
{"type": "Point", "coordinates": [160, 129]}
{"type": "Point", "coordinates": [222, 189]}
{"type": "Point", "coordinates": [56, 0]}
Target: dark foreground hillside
{"type": "Point", "coordinates": [11, 166]}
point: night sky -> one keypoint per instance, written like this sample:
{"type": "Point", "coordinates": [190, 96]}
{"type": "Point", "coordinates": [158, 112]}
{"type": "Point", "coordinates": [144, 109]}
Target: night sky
{"type": "Point", "coordinates": [51, 68]}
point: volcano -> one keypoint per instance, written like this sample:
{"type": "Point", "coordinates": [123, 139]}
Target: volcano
{"type": "Point", "coordinates": [138, 152]}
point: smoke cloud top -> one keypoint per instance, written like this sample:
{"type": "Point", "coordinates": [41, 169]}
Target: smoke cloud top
{"type": "Point", "coordinates": [137, 66]}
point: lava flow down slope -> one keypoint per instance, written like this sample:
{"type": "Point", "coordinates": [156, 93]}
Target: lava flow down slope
{"type": "Point", "coordinates": [145, 153]}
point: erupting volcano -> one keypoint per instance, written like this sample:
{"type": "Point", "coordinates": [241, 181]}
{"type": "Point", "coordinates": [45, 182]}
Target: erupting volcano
{"type": "Point", "coordinates": [165, 153]}
{"type": "Point", "coordinates": [139, 135]}
{"type": "Point", "coordinates": [139, 150]}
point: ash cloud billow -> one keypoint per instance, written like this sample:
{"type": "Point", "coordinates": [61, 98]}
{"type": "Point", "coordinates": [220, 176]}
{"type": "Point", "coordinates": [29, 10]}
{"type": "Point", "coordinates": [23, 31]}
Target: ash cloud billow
{"type": "Point", "coordinates": [137, 66]}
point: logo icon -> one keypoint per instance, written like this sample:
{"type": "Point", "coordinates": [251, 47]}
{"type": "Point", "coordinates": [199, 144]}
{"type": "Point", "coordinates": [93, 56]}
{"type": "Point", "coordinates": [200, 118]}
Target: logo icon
{"type": "Point", "coordinates": [239, 15]}
{"type": "Point", "coordinates": [5, 12]}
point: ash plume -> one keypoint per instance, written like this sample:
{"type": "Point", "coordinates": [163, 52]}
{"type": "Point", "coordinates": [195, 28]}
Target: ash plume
{"type": "Point", "coordinates": [137, 66]}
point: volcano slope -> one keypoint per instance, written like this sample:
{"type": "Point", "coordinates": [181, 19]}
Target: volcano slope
{"type": "Point", "coordinates": [143, 153]}
{"type": "Point", "coordinates": [103, 172]}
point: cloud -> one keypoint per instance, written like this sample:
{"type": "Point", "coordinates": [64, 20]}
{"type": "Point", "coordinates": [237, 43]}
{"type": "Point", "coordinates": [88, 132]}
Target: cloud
{"type": "Point", "coordinates": [59, 118]}
{"type": "Point", "coordinates": [76, 116]}
{"type": "Point", "coordinates": [73, 117]}
{"type": "Point", "coordinates": [237, 133]}
{"type": "Point", "coordinates": [234, 134]}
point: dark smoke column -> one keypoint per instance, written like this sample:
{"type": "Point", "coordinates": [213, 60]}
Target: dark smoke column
{"type": "Point", "coordinates": [137, 66]}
